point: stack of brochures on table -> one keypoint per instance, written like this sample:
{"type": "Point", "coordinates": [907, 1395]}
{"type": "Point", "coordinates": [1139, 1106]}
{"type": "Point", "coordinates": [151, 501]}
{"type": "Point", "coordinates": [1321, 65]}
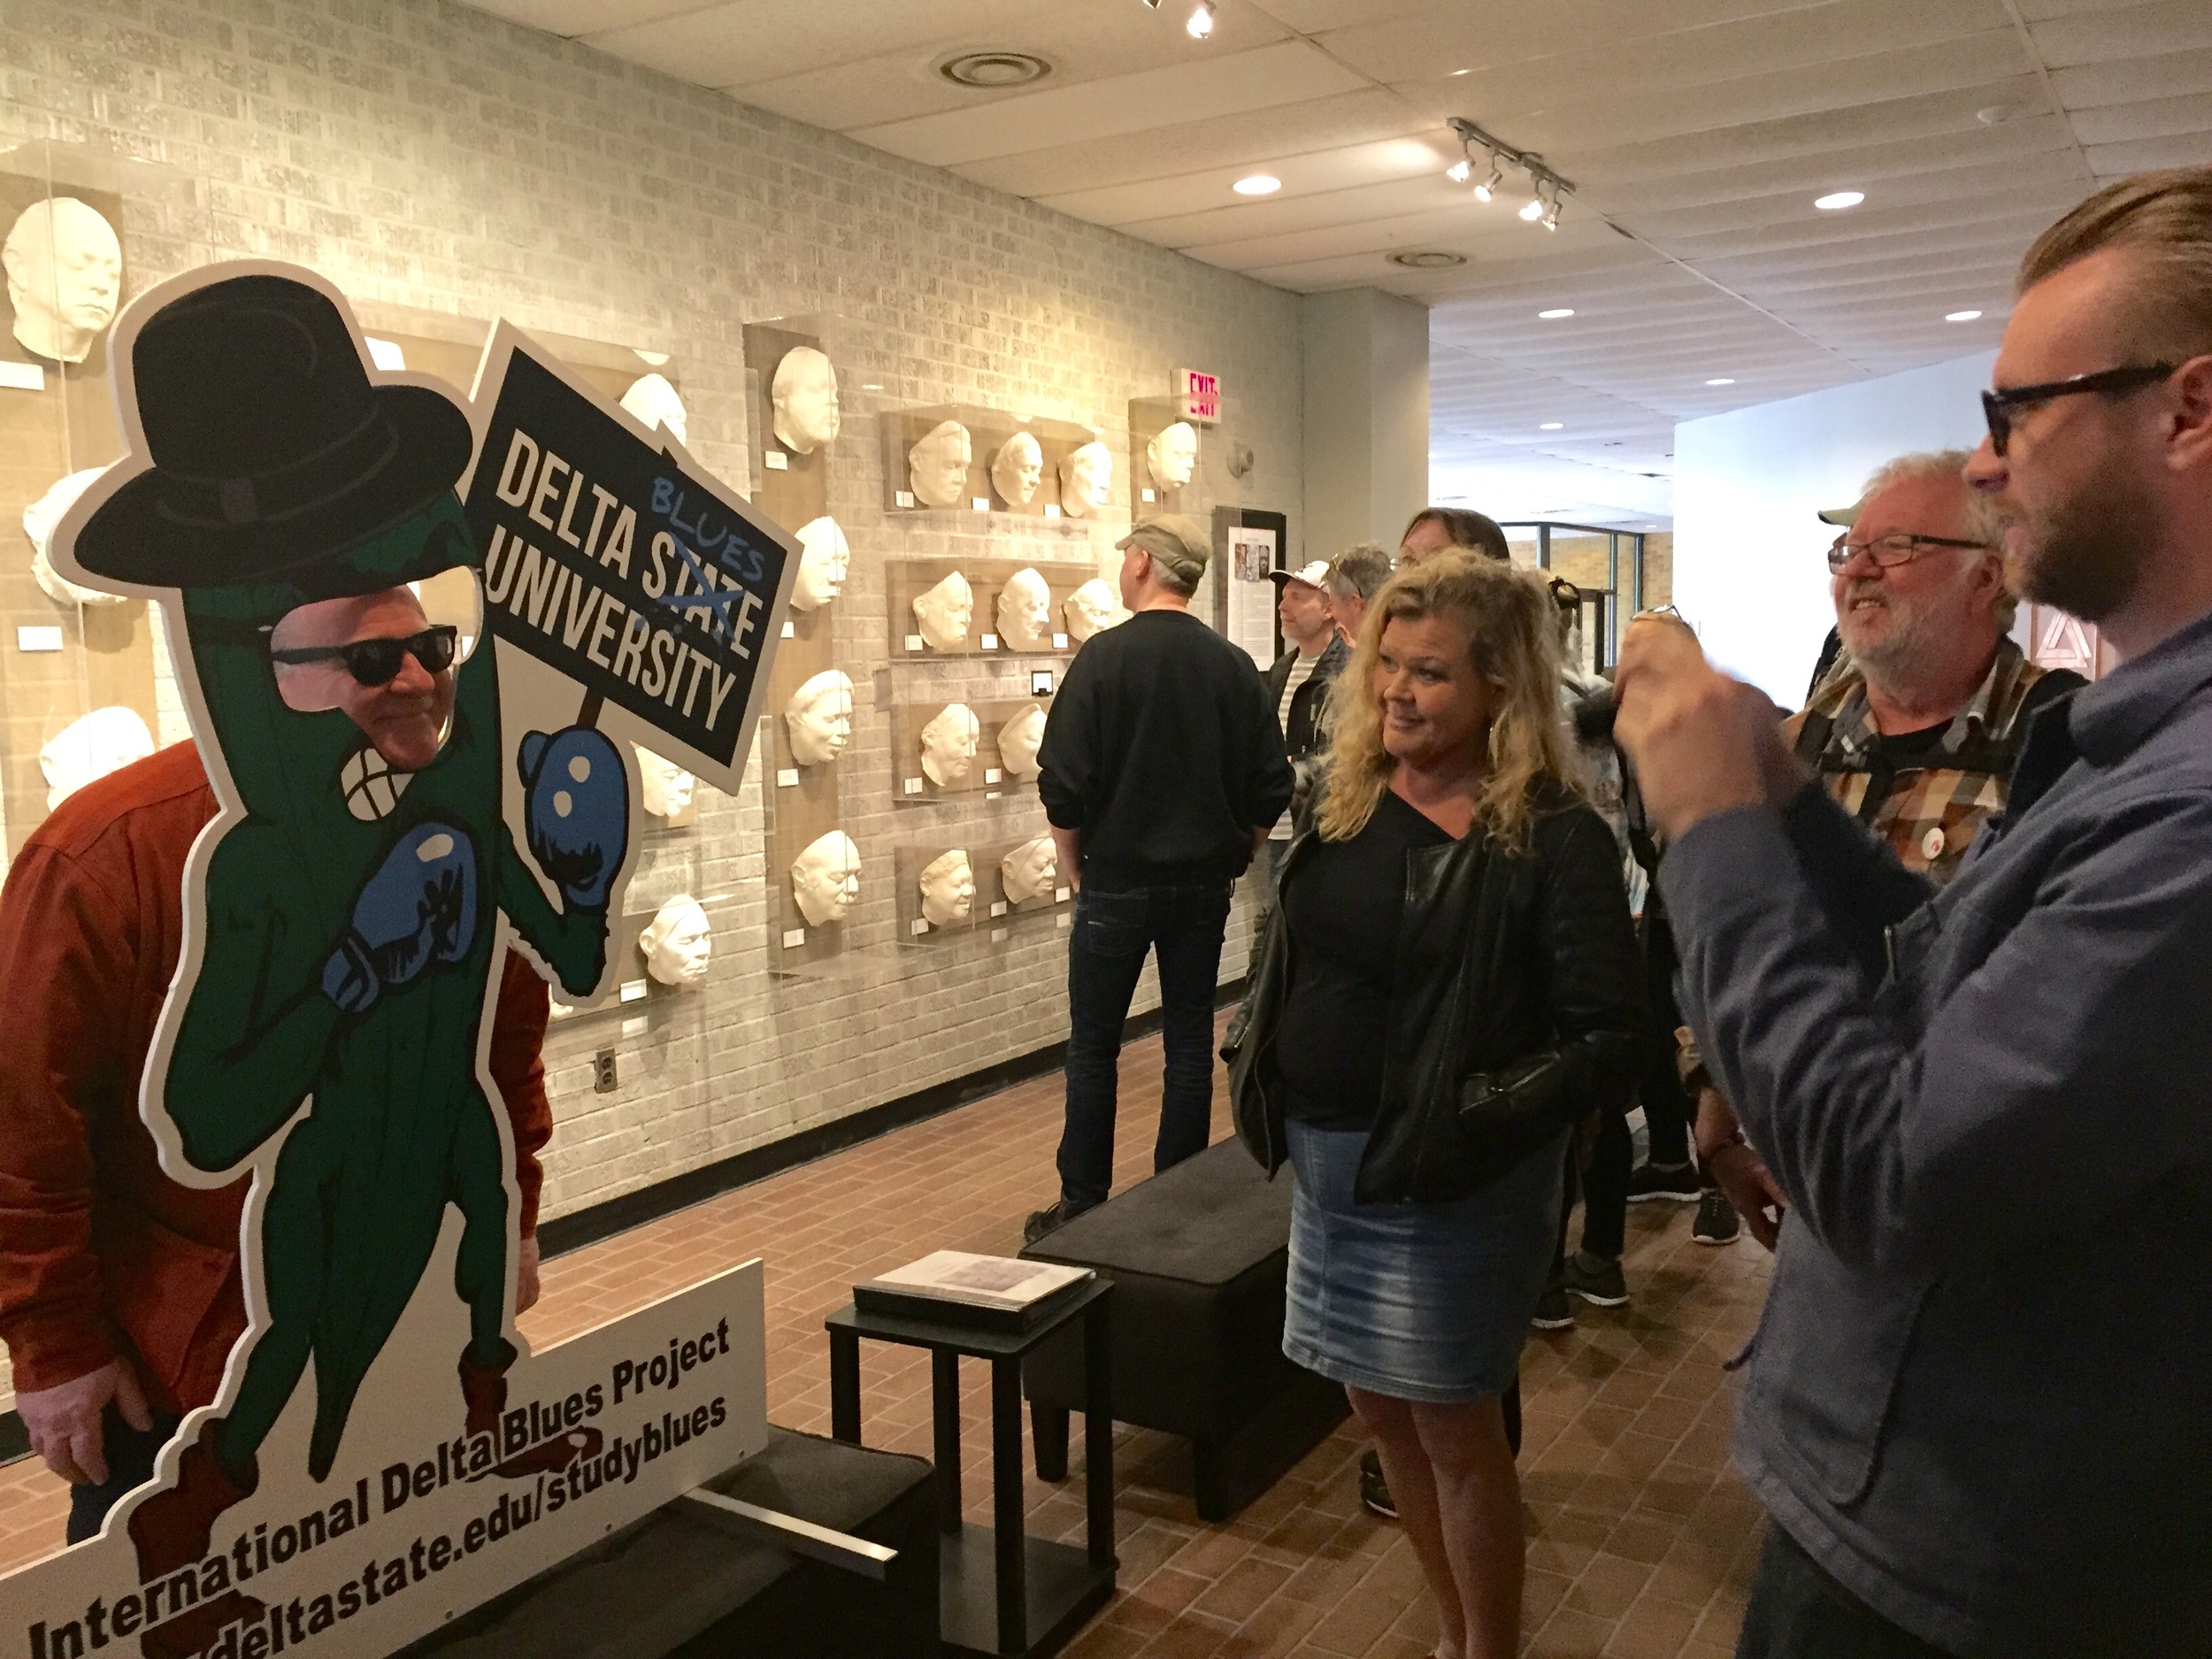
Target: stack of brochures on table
{"type": "Point", "coordinates": [995, 1293]}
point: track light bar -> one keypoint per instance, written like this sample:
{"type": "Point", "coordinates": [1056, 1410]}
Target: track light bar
{"type": "Point", "coordinates": [1549, 187]}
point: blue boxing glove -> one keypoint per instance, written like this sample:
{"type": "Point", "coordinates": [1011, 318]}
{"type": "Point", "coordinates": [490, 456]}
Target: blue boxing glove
{"type": "Point", "coordinates": [575, 810]}
{"type": "Point", "coordinates": [418, 907]}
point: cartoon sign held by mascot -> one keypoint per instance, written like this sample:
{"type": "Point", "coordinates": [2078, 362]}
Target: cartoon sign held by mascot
{"type": "Point", "coordinates": [296, 512]}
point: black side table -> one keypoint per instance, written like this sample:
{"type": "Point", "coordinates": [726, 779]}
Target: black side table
{"type": "Point", "coordinates": [1004, 1596]}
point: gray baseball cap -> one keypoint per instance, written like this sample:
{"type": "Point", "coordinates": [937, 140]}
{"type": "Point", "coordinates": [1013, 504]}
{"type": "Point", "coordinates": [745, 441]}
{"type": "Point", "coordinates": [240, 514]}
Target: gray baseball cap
{"type": "Point", "coordinates": [1176, 541]}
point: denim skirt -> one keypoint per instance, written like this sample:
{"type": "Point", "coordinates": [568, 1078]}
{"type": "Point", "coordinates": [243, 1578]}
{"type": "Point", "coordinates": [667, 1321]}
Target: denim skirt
{"type": "Point", "coordinates": [1429, 1302]}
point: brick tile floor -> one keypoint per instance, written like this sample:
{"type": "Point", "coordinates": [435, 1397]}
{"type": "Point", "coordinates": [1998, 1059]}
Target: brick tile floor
{"type": "Point", "coordinates": [1640, 1539]}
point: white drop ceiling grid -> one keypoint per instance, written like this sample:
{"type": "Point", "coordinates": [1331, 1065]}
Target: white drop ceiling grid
{"type": "Point", "coordinates": [1700, 128]}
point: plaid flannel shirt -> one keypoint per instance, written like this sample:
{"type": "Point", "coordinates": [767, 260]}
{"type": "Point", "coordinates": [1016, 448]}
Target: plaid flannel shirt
{"type": "Point", "coordinates": [1929, 814]}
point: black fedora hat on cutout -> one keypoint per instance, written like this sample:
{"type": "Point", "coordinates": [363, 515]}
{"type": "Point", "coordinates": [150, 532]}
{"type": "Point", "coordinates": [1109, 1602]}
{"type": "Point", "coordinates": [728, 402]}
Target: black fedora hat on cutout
{"type": "Point", "coordinates": [272, 453]}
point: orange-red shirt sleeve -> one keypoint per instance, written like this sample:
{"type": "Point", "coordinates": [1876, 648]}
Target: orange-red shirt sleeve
{"type": "Point", "coordinates": [66, 954]}
{"type": "Point", "coordinates": [517, 1062]}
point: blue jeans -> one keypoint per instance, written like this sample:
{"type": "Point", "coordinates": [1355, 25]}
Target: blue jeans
{"type": "Point", "coordinates": [1183, 925]}
{"type": "Point", "coordinates": [131, 1455]}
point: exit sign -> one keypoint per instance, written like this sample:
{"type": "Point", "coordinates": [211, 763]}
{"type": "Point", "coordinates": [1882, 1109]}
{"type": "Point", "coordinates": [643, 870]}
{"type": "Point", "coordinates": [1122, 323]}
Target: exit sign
{"type": "Point", "coordinates": [1198, 395]}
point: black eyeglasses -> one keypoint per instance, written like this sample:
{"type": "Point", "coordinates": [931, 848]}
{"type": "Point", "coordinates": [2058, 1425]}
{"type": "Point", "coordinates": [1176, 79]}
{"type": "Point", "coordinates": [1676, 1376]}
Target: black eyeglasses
{"type": "Point", "coordinates": [375, 661]}
{"type": "Point", "coordinates": [1997, 406]}
{"type": "Point", "coordinates": [1901, 547]}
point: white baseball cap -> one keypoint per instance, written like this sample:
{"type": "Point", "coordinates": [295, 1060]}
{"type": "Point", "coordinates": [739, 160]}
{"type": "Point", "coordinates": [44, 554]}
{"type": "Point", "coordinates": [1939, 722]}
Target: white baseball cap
{"type": "Point", "coordinates": [1313, 575]}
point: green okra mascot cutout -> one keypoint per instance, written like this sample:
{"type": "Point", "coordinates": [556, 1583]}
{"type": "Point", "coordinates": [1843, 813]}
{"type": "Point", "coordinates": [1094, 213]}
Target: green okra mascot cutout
{"type": "Point", "coordinates": [347, 911]}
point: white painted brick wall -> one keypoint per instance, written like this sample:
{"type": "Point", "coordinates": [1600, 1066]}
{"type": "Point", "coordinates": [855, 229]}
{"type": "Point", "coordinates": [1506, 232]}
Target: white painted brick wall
{"type": "Point", "coordinates": [425, 155]}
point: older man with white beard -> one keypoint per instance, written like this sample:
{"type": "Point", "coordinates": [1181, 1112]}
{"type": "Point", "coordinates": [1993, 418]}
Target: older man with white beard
{"type": "Point", "coordinates": [1916, 736]}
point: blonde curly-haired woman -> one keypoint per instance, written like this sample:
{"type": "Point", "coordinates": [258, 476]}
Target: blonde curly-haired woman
{"type": "Point", "coordinates": [1449, 983]}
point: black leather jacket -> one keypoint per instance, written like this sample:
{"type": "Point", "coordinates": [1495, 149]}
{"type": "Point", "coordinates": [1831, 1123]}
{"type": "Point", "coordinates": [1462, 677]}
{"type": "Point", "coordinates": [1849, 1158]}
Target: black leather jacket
{"type": "Point", "coordinates": [1519, 1007]}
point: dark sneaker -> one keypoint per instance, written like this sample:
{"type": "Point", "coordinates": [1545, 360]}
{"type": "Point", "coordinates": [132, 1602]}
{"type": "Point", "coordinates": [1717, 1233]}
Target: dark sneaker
{"type": "Point", "coordinates": [1374, 1491]}
{"type": "Point", "coordinates": [1716, 1222]}
{"type": "Point", "coordinates": [1553, 1310]}
{"type": "Point", "coordinates": [1649, 1182]}
{"type": "Point", "coordinates": [1052, 1216]}
{"type": "Point", "coordinates": [1601, 1285]}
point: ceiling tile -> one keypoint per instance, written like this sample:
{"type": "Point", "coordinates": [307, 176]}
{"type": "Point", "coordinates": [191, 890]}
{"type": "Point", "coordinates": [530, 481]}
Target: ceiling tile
{"type": "Point", "coordinates": [1213, 87]}
{"type": "Point", "coordinates": [2113, 33]}
{"type": "Point", "coordinates": [572, 18]}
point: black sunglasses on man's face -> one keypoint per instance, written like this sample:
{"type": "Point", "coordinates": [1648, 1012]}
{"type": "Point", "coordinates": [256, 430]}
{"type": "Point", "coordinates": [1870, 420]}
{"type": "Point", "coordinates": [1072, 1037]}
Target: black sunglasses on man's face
{"type": "Point", "coordinates": [376, 662]}
{"type": "Point", "coordinates": [1997, 406]}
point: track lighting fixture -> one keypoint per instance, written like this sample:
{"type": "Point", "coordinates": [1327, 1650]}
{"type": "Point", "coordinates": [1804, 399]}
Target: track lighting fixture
{"type": "Point", "coordinates": [1202, 20]}
{"type": "Point", "coordinates": [1548, 189]}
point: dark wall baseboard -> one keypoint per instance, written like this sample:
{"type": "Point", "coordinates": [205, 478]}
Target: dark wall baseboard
{"type": "Point", "coordinates": [572, 1231]}
{"type": "Point", "coordinates": [589, 1225]}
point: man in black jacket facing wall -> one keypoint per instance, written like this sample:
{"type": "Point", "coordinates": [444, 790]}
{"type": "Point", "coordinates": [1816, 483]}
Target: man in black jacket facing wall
{"type": "Point", "coordinates": [1162, 769]}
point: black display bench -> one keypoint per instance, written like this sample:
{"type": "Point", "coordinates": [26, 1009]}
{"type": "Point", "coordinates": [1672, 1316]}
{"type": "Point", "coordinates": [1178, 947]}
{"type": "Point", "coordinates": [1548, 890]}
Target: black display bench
{"type": "Point", "coordinates": [1199, 1256]}
{"type": "Point", "coordinates": [1002, 1595]}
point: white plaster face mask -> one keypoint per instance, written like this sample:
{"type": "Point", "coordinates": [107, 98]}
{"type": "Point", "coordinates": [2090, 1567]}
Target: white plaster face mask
{"type": "Point", "coordinates": [1025, 611]}
{"type": "Point", "coordinates": [944, 613]}
{"type": "Point", "coordinates": [664, 788]}
{"type": "Point", "coordinates": [39, 519]}
{"type": "Point", "coordinates": [1086, 481]}
{"type": "Point", "coordinates": [105, 741]}
{"type": "Point", "coordinates": [819, 717]}
{"type": "Point", "coordinates": [948, 886]}
{"type": "Point", "coordinates": [948, 745]}
{"type": "Point", "coordinates": [1018, 469]}
{"type": "Point", "coordinates": [655, 402]}
{"type": "Point", "coordinates": [803, 395]}
{"type": "Point", "coordinates": [825, 560]}
{"type": "Point", "coordinates": [937, 467]}
{"type": "Point", "coordinates": [677, 944]}
{"type": "Point", "coordinates": [64, 270]}
{"type": "Point", "coordinates": [1018, 741]}
{"type": "Point", "coordinates": [1030, 871]}
{"type": "Point", "coordinates": [1093, 609]}
{"type": "Point", "coordinates": [1172, 455]}
{"type": "Point", "coordinates": [825, 879]}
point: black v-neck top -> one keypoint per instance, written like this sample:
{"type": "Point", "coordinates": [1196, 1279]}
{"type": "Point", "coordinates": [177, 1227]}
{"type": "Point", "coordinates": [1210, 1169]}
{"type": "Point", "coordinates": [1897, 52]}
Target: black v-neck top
{"type": "Point", "coordinates": [1344, 906]}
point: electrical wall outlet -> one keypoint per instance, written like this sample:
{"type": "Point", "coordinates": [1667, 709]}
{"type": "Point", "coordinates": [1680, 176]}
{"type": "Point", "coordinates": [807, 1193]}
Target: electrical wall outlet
{"type": "Point", "coordinates": [604, 1075]}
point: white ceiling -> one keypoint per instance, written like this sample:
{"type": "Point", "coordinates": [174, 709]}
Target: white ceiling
{"type": "Point", "coordinates": [1696, 134]}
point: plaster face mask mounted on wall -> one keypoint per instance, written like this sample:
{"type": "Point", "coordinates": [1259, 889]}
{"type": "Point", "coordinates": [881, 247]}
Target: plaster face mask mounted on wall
{"type": "Point", "coordinates": [1093, 609]}
{"type": "Point", "coordinates": [101, 743]}
{"type": "Point", "coordinates": [948, 886]}
{"type": "Point", "coordinates": [937, 465]}
{"type": "Point", "coordinates": [678, 944]}
{"type": "Point", "coordinates": [39, 519]}
{"type": "Point", "coordinates": [1032, 871]}
{"type": "Point", "coordinates": [944, 614]}
{"type": "Point", "coordinates": [825, 879]}
{"type": "Point", "coordinates": [1025, 611]}
{"type": "Point", "coordinates": [655, 404]}
{"type": "Point", "coordinates": [664, 788]}
{"type": "Point", "coordinates": [825, 560]}
{"type": "Point", "coordinates": [1018, 741]}
{"type": "Point", "coordinates": [948, 745]}
{"type": "Point", "coordinates": [819, 717]}
{"type": "Point", "coordinates": [803, 395]}
{"type": "Point", "coordinates": [1018, 469]}
{"type": "Point", "coordinates": [1086, 481]}
{"type": "Point", "coordinates": [65, 271]}
{"type": "Point", "coordinates": [1172, 456]}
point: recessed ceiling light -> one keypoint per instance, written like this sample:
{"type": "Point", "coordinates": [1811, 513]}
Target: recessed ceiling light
{"type": "Point", "coordinates": [1995, 114]}
{"type": "Point", "coordinates": [1556, 312]}
{"type": "Point", "coordinates": [1962, 316]}
{"type": "Point", "coordinates": [1723, 381]}
{"type": "Point", "coordinates": [1462, 72]}
{"type": "Point", "coordinates": [990, 71]}
{"type": "Point", "coordinates": [1257, 184]}
{"type": "Point", "coordinates": [1838, 199]}
{"type": "Point", "coordinates": [1202, 21]}
{"type": "Point", "coordinates": [1551, 425]}
{"type": "Point", "coordinates": [1428, 259]}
